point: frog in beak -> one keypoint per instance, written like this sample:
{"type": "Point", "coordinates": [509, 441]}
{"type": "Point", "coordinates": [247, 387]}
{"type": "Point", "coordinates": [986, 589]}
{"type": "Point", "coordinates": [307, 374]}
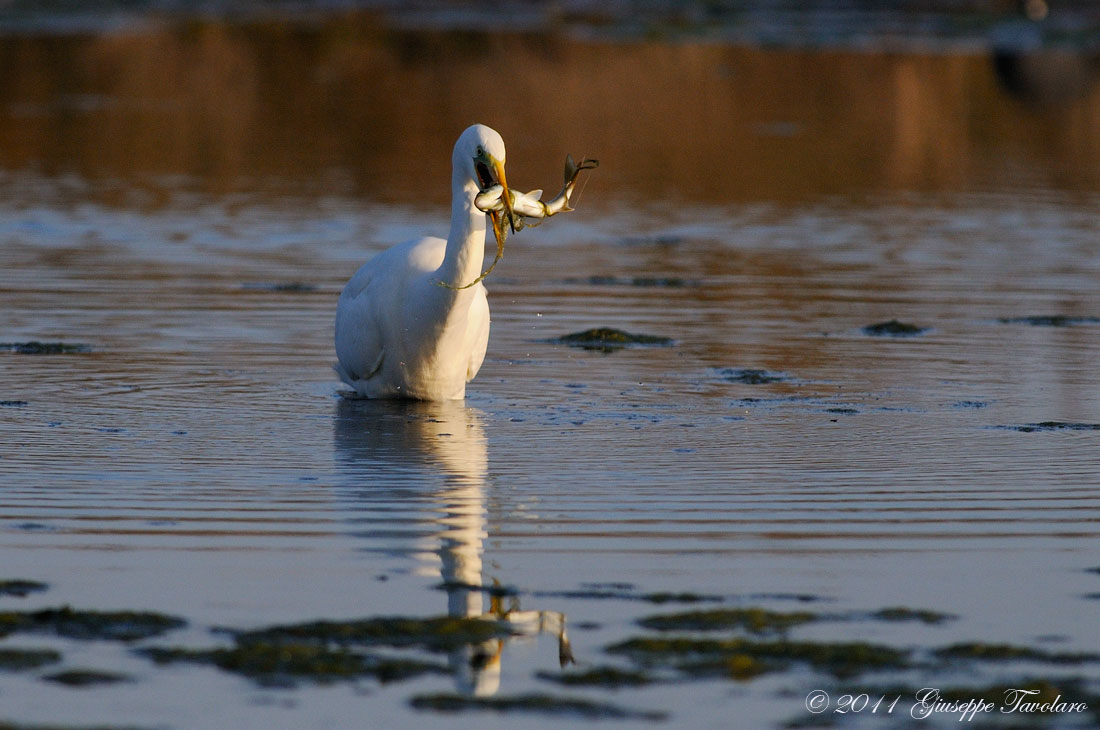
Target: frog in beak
{"type": "Point", "coordinates": [490, 174]}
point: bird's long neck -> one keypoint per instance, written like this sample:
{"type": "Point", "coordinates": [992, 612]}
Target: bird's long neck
{"type": "Point", "coordinates": [466, 240]}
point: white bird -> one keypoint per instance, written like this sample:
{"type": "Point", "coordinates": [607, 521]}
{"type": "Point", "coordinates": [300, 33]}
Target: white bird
{"type": "Point", "coordinates": [408, 325]}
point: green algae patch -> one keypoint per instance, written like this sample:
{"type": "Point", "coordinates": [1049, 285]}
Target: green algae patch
{"type": "Point", "coordinates": [540, 704]}
{"type": "Point", "coordinates": [901, 613]}
{"type": "Point", "coordinates": [18, 660]}
{"type": "Point", "coordinates": [288, 664]}
{"type": "Point", "coordinates": [893, 328]}
{"type": "Point", "coordinates": [606, 677]}
{"type": "Point", "coordinates": [1007, 653]}
{"type": "Point", "coordinates": [738, 667]}
{"type": "Point", "coordinates": [713, 657]}
{"type": "Point", "coordinates": [86, 678]}
{"type": "Point", "coordinates": [755, 620]}
{"type": "Point", "coordinates": [434, 634]}
{"type": "Point", "coordinates": [743, 667]}
{"type": "Point", "coordinates": [608, 339]}
{"type": "Point", "coordinates": [87, 625]}
{"type": "Point", "coordinates": [323, 652]}
{"type": "Point", "coordinates": [44, 348]}
{"type": "Point", "coordinates": [21, 588]}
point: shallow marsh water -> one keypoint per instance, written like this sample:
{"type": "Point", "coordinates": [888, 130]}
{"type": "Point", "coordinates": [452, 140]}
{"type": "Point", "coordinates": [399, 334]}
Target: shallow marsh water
{"type": "Point", "coordinates": [198, 460]}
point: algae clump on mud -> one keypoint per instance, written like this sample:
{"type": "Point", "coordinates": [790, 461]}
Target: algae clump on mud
{"type": "Point", "coordinates": [325, 651]}
{"type": "Point", "coordinates": [609, 339]}
{"type": "Point", "coordinates": [435, 634]}
{"type": "Point", "coordinates": [17, 660]}
{"type": "Point", "coordinates": [755, 620]}
{"type": "Point", "coordinates": [902, 613]}
{"type": "Point", "coordinates": [75, 624]}
{"type": "Point", "coordinates": [601, 676]}
{"type": "Point", "coordinates": [893, 328]}
{"type": "Point", "coordinates": [17, 586]}
{"type": "Point", "coordinates": [1008, 652]}
{"type": "Point", "coordinates": [86, 678]}
{"type": "Point", "coordinates": [716, 657]}
{"type": "Point", "coordinates": [287, 664]}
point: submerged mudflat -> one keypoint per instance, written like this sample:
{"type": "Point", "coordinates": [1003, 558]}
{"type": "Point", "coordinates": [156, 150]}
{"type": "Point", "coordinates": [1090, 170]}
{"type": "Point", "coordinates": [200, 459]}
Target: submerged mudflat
{"type": "Point", "coordinates": [805, 506]}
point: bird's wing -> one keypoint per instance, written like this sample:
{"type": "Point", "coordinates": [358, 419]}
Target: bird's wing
{"type": "Point", "coordinates": [479, 331]}
{"type": "Point", "coordinates": [359, 340]}
{"type": "Point", "coordinates": [369, 309]}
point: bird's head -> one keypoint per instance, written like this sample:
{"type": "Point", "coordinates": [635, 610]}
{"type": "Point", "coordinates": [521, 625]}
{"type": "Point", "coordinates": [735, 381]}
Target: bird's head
{"type": "Point", "coordinates": [480, 153]}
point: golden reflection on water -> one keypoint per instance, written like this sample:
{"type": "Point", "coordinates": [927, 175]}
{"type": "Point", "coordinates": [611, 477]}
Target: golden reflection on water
{"type": "Point", "coordinates": [347, 105]}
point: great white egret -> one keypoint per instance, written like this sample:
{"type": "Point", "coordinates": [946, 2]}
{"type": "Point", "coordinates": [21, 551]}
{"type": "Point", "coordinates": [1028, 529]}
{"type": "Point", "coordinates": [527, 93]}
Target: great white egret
{"type": "Point", "coordinates": [407, 326]}
{"type": "Point", "coordinates": [413, 322]}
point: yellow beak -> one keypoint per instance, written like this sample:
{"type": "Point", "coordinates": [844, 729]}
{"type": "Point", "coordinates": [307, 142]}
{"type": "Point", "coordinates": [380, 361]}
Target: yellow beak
{"type": "Point", "coordinates": [506, 198]}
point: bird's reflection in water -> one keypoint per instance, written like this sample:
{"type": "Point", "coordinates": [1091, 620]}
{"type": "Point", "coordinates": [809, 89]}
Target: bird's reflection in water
{"type": "Point", "coordinates": [382, 442]}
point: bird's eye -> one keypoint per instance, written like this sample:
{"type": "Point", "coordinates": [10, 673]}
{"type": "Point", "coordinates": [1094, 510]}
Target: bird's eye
{"type": "Point", "coordinates": [480, 151]}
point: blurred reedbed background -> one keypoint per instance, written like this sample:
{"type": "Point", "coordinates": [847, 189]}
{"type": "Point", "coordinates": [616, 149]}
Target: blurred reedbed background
{"type": "Point", "coordinates": [708, 103]}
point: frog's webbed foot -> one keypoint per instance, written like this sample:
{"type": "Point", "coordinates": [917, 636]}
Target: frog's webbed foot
{"type": "Point", "coordinates": [572, 170]}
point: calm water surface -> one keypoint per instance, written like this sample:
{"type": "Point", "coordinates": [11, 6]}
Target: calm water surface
{"type": "Point", "coordinates": [197, 458]}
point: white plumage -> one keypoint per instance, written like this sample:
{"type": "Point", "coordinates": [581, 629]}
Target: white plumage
{"type": "Point", "coordinates": [404, 326]}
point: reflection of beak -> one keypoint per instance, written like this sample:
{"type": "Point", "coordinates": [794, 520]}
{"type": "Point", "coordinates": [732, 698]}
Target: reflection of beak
{"type": "Point", "coordinates": [506, 198]}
